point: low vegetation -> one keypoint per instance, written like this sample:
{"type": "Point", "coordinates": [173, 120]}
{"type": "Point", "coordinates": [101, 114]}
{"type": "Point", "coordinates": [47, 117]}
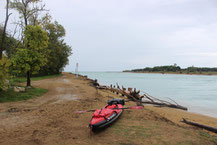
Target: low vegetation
{"type": "Point", "coordinates": [177, 69]}
{"type": "Point", "coordinates": [153, 129]}
{"type": "Point", "coordinates": [11, 96]}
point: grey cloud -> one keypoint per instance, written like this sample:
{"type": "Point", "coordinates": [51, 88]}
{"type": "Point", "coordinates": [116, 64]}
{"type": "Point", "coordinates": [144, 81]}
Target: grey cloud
{"type": "Point", "coordinates": [114, 35]}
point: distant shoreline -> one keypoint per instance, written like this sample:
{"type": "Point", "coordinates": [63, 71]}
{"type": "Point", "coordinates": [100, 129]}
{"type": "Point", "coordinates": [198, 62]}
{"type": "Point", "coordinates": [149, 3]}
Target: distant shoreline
{"type": "Point", "coordinates": [175, 69]}
{"type": "Point", "coordinates": [176, 73]}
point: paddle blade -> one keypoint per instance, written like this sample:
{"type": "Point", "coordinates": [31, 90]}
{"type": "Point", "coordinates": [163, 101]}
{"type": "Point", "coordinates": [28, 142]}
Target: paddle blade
{"type": "Point", "coordinates": [79, 112]}
{"type": "Point", "coordinates": [136, 107]}
{"type": "Point", "coordinates": [83, 111]}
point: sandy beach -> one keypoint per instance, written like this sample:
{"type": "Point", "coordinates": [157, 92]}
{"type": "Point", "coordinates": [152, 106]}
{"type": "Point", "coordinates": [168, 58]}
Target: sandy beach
{"type": "Point", "coordinates": [50, 119]}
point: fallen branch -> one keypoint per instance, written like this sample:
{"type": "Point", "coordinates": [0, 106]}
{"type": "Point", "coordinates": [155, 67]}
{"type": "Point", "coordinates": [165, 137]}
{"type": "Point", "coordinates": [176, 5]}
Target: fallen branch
{"type": "Point", "coordinates": [172, 100]}
{"type": "Point", "coordinates": [162, 103]}
{"type": "Point", "coordinates": [209, 128]}
{"type": "Point", "coordinates": [153, 98]}
{"type": "Point", "coordinates": [148, 98]}
{"type": "Point", "coordinates": [166, 105]}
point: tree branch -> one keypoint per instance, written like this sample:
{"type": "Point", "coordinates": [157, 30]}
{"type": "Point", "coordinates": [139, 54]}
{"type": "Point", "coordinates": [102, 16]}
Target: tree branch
{"type": "Point", "coordinates": [4, 30]}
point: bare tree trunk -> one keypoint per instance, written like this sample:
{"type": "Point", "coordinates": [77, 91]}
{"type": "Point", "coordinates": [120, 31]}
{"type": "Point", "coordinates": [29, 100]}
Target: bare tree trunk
{"type": "Point", "coordinates": [28, 84]}
{"type": "Point", "coordinates": [0, 54]}
{"type": "Point", "coordinates": [4, 30]}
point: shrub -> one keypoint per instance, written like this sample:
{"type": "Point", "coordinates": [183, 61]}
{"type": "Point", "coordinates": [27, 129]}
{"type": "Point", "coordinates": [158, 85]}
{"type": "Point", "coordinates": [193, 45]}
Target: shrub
{"type": "Point", "coordinates": [4, 69]}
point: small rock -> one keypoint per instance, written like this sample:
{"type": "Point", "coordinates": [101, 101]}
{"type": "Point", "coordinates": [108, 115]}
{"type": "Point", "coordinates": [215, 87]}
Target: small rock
{"type": "Point", "coordinates": [13, 110]}
{"type": "Point", "coordinates": [19, 89]}
{"type": "Point", "coordinates": [16, 89]}
{"type": "Point", "coordinates": [22, 89]}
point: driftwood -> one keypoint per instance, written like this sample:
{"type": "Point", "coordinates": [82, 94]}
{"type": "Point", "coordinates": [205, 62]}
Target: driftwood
{"type": "Point", "coordinates": [134, 95]}
{"type": "Point", "coordinates": [162, 103]}
{"type": "Point", "coordinates": [209, 128]}
{"type": "Point", "coordinates": [166, 105]}
{"type": "Point", "coordinates": [123, 93]}
{"type": "Point", "coordinates": [119, 91]}
{"type": "Point", "coordinates": [148, 98]}
{"type": "Point", "coordinates": [94, 83]}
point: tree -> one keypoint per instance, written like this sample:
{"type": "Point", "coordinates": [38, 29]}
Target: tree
{"type": "Point", "coordinates": [2, 46]}
{"type": "Point", "coordinates": [59, 50]}
{"type": "Point", "coordinates": [33, 55]}
{"type": "Point", "coordinates": [9, 44]}
{"type": "Point", "coordinates": [28, 10]}
{"type": "Point", "coordinates": [4, 62]}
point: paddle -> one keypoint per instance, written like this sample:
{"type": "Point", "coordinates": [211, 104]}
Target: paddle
{"type": "Point", "coordinates": [133, 107]}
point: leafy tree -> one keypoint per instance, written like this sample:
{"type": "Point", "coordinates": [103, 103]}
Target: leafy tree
{"type": "Point", "coordinates": [33, 55]}
{"type": "Point", "coordinates": [4, 62]}
{"type": "Point", "coordinates": [192, 69]}
{"type": "Point", "coordinates": [59, 50]}
{"type": "Point", "coordinates": [28, 10]}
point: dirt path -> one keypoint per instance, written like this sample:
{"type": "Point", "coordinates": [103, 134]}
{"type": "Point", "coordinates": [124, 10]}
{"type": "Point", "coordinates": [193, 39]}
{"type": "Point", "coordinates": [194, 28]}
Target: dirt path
{"type": "Point", "coordinates": [49, 119]}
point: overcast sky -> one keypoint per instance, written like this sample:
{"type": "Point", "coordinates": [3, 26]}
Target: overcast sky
{"type": "Point", "coordinates": [114, 35]}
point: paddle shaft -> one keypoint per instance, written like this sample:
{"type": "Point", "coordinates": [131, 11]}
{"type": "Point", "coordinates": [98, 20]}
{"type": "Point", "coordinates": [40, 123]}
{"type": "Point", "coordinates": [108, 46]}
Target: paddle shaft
{"type": "Point", "coordinates": [134, 107]}
{"type": "Point", "coordinates": [130, 108]}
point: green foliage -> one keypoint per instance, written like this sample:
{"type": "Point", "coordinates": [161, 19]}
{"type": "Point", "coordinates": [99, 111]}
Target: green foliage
{"type": "Point", "coordinates": [10, 95]}
{"type": "Point", "coordinates": [207, 135]}
{"type": "Point", "coordinates": [16, 80]}
{"type": "Point", "coordinates": [30, 57]}
{"type": "Point", "coordinates": [177, 69]}
{"type": "Point", "coordinates": [35, 38]}
{"type": "Point", "coordinates": [34, 54]}
{"type": "Point", "coordinates": [201, 69]}
{"type": "Point", "coordinates": [28, 10]}
{"type": "Point", "coordinates": [170, 68]}
{"type": "Point", "coordinates": [4, 69]}
{"type": "Point", "coordinates": [55, 31]}
{"type": "Point", "coordinates": [9, 44]}
{"type": "Point", "coordinates": [59, 50]}
{"type": "Point", "coordinates": [166, 68]}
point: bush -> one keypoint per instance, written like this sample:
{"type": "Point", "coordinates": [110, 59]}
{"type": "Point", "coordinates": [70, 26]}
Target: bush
{"type": "Point", "coordinates": [4, 69]}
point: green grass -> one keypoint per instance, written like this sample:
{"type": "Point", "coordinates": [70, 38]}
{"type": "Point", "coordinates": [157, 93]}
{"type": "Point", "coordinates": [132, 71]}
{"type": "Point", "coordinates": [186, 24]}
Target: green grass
{"type": "Point", "coordinates": [23, 79]}
{"type": "Point", "coordinates": [212, 138]}
{"type": "Point", "coordinates": [11, 96]}
{"type": "Point", "coordinates": [131, 131]}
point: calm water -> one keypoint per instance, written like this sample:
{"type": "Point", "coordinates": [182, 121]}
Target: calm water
{"type": "Point", "coordinates": [197, 92]}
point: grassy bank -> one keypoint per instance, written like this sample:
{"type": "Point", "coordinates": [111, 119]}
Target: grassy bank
{"type": "Point", "coordinates": [11, 96]}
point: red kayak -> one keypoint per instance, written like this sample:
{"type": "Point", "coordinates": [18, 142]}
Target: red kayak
{"type": "Point", "coordinates": [107, 115]}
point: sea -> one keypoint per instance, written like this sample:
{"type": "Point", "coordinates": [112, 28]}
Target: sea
{"type": "Point", "coordinates": [196, 92]}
